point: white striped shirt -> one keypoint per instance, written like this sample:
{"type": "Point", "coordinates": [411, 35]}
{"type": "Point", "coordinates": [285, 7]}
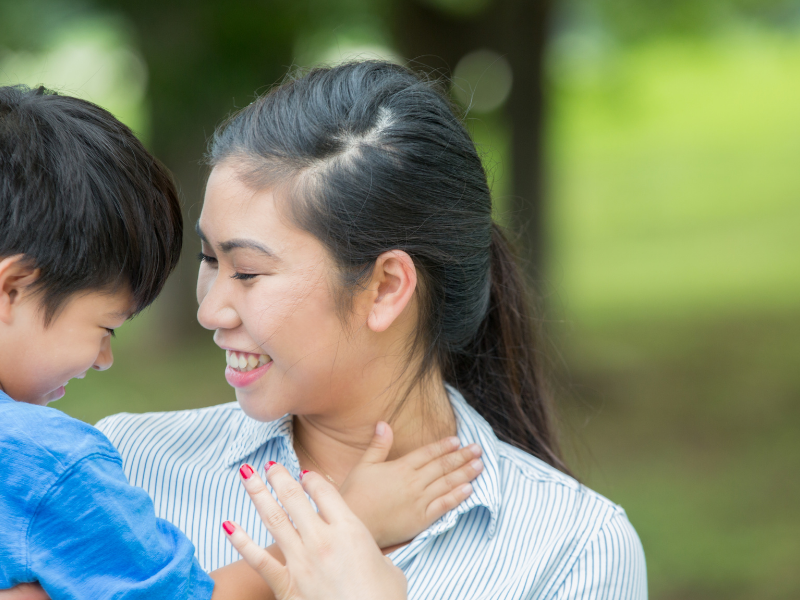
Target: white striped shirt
{"type": "Point", "coordinates": [527, 531]}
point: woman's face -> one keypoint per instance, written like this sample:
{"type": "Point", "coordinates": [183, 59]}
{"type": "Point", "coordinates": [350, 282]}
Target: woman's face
{"type": "Point", "coordinates": [266, 288]}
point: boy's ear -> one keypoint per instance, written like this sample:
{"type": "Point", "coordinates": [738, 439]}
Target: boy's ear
{"type": "Point", "coordinates": [15, 277]}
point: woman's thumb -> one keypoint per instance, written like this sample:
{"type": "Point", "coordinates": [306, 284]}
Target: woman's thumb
{"type": "Point", "coordinates": [380, 445]}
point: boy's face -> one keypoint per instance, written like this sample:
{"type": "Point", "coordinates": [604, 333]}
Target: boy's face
{"type": "Point", "coordinates": [36, 362]}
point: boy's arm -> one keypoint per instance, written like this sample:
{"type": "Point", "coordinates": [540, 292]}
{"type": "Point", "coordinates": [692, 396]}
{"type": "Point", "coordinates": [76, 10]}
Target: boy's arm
{"type": "Point", "coordinates": [95, 536]}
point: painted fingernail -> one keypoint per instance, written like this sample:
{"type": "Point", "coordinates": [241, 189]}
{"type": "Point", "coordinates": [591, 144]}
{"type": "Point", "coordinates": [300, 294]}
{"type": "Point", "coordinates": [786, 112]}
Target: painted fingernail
{"type": "Point", "coordinates": [466, 490]}
{"type": "Point", "coordinates": [228, 527]}
{"type": "Point", "coordinates": [302, 474]}
{"type": "Point", "coordinates": [477, 464]}
{"type": "Point", "coordinates": [269, 465]}
{"type": "Point", "coordinates": [380, 428]}
{"type": "Point", "coordinates": [246, 471]}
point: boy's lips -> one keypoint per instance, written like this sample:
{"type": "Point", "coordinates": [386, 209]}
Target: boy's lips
{"type": "Point", "coordinates": [245, 367]}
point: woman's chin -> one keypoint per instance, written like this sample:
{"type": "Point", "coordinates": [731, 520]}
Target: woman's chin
{"type": "Point", "coordinates": [255, 405]}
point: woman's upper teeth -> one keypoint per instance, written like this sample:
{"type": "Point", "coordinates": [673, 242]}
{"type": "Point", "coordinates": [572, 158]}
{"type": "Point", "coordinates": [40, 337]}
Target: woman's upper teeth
{"type": "Point", "coordinates": [245, 361]}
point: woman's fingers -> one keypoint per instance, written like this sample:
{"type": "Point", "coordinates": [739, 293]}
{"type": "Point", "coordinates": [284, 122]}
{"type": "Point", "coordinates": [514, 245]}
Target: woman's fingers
{"type": "Point", "coordinates": [293, 498]}
{"type": "Point", "coordinates": [331, 505]}
{"type": "Point", "coordinates": [274, 517]}
{"type": "Point", "coordinates": [448, 463]}
{"type": "Point", "coordinates": [422, 456]}
{"type": "Point", "coordinates": [274, 573]}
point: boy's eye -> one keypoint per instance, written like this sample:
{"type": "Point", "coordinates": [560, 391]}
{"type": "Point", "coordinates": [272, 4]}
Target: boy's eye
{"type": "Point", "coordinates": [243, 276]}
{"type": "Point", "coordinates": [205, 258]}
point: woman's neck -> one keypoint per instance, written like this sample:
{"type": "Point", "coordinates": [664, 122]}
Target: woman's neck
{"type": "Point", "coordinates": [336, 441]}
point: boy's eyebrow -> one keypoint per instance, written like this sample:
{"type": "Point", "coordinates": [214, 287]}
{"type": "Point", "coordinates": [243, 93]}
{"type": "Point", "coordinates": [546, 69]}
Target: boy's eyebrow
{"type": "Point", "coordinates": [237, 243]}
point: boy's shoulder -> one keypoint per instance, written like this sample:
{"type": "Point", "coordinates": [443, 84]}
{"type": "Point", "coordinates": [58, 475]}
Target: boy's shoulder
{"type": "Point", "coordinates": [46, 440]}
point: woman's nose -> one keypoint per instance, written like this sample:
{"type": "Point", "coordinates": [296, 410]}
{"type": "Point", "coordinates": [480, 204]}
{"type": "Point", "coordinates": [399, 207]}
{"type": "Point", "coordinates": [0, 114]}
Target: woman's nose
{"type": "Point", "coordinates": [105, 358]}
{"type": "Point", "coordinates": [215, 311]}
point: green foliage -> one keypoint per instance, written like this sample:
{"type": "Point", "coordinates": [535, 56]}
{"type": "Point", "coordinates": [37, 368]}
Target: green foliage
{"type": "Point", "coordinates": [636, 20]}
{"type": "Point", "coordinates": [674, 183]}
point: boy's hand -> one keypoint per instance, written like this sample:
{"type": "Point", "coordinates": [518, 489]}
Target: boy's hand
{"type": "Point", "coordinates": [398, 500]}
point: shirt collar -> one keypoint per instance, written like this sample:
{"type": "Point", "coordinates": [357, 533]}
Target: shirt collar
{"type": "Point", "coordinates": [471, 429]}
{"type": "Point", "coordinates": [250, 435]}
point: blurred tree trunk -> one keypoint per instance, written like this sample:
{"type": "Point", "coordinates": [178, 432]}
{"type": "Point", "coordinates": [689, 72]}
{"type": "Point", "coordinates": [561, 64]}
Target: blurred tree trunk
{"type": "Point", "coordinates": [435, 40]}
{"type": "Point", "coordinates": [204, 59]}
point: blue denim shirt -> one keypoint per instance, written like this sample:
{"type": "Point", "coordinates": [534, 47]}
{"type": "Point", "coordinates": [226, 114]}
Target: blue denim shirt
{"type": "Point", "coordinates": [71, 521]}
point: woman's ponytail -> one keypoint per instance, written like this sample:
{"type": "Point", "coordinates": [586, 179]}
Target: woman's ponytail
{"type": "Point", "coordinates": [499, 372]}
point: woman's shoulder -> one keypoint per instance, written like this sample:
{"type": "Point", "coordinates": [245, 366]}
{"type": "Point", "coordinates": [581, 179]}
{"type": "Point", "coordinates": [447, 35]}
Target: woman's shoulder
{"type": "Point", "coordinates": [530, 476]}
{"type": "Point", "coordinates": [130, 432]}
{"type": "Point", "coordinates": [159, 420]}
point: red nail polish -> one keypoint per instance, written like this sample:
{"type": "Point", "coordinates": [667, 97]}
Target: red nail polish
{"type": "Point", "coordinates": [301, 475]}
{"type": "Point", "coordinates": [246, 471]}
{"type": "Point", "coordinates": [269, 465]}
{"type": "Point", "coordinates": [228, 527]}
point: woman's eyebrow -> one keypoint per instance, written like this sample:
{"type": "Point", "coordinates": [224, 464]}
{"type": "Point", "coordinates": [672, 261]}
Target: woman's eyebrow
{"type": "Point", "coordinates": [237, 243]}
{"type": "Point", "coordinates": [246, 244]}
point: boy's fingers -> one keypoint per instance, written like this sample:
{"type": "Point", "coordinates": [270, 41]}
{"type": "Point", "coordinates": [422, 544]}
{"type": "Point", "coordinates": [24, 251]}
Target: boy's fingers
{"type": "Point", "coordinates": [274, 517]}
{"type": "Point", "coordinates": [331, 505]}
{"type": "Point", "coordinates": [380, 445]}
{"type": "Point", "coordinates": [453, 480]}
{"type": "Point", "coordinates": [273, 572]}
{"type": "Point", "coordinates": [448, 502]}
{"type": "Point", "coordinates": [422, 456]}
{"type": "Point", "coordinates": [448, 463]}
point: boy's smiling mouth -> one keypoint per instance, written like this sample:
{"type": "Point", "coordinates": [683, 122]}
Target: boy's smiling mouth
{"type": "Point", "coordinates": [244, 362]}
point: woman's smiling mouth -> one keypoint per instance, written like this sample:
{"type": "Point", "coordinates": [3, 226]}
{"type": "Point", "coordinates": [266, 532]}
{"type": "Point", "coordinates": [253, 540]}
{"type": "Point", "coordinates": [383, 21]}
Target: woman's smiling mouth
{"type": "Point", "coordinates": [245, 361]}
{"type": "Point", "coordinates": [245, 367]}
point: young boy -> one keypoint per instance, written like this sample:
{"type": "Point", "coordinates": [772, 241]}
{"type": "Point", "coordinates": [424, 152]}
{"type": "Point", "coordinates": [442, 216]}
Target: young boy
{"type": "Point", "coordinates": [90, 228]}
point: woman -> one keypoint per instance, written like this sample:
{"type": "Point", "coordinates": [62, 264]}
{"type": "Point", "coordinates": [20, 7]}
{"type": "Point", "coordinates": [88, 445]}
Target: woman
{"type": "Point", "coordinates": [352, 272]}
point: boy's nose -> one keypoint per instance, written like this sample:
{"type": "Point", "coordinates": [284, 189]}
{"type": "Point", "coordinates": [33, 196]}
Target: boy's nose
{"type": "Point", "coordinates": [106, 358]}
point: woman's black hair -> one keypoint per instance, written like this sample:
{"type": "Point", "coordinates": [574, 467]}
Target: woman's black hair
{"type": "Point", "coordinates": [376, 160]}
{"type": "Point", "coordinates": [82, 200]}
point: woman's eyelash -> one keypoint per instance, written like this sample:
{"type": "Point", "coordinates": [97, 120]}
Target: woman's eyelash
{"type": "Point", "coordinates": [111, 332]}
{"type": "Point", "coordinates": [206, 258]}
{"type": "Point", "coordinates": [243, 276]}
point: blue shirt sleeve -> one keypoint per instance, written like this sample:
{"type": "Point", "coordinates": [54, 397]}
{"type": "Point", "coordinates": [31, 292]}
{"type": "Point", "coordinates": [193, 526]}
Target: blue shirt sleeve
{"type": "Point", "coordinates": [93, 535]}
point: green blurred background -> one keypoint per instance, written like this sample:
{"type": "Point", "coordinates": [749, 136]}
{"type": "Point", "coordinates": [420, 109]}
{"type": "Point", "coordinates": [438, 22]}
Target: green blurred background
{"type": "Point", "coordinates": [662, 224]}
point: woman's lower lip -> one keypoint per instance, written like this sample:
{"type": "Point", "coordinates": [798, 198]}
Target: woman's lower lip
{"type": "Point", "coordinates": [239, 379]}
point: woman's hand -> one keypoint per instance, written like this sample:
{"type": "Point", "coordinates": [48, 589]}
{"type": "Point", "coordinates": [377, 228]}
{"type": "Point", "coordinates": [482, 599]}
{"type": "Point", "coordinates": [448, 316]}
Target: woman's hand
{"type": "Point", "coordinates": [330, 555]}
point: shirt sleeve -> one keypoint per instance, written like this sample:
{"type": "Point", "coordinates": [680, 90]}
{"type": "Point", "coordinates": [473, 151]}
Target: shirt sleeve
{"type": "Point", "coordinates": [612, 567]}
{"type": "Point", "coordinates": [95, 536]}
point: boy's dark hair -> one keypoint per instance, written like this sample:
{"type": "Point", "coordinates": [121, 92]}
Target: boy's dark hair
{"type": "Point", "coordinates": [82, 199]}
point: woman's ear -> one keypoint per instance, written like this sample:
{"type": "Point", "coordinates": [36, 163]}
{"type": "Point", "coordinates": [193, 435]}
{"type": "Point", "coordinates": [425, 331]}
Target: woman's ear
{"type": "Point", "coordinates": [15, 277]}
{"type": "Point", "coordinates": [391, 287]}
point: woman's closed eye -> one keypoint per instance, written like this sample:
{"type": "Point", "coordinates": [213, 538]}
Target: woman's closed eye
{"type": "Point", "coordinates": [205, 258]}
{"type": "Point", "coordinates": [244, 276]}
